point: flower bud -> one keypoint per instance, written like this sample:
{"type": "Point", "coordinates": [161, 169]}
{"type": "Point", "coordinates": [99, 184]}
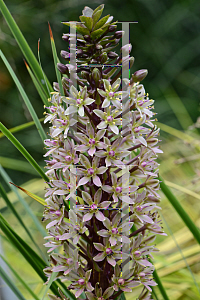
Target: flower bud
{"type": "Point", "coordinates": [87, 38]}
{"type": "Point", "coordinates": [62, 68]}
{"type": "Point", "coordinates": [119, 34]}
{"type": "Point", "coordinates": [85, 75]}
{"type": "Point", "coordinates": [139, 75]}
{"type": "Point", "coordinates": [112, 54]}
{"type": "Point", "coordinates": [65, 54]}
{"type": "Point", "coordinates": [112, 28]}
{"type": "Point", "coordinates": [65, 37]}
{"type": "Point", "coordinates": [96, 74]}
{"type": "Point", "coordinates": [103, 57]}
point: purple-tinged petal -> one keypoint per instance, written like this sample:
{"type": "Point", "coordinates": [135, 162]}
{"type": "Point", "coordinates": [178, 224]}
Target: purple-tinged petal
{"type": "Point", "coordinates": [83, 181]}
{"type": "Point", "coordinates": [98, 246]}
{"type": "Point", "coordinates": [92, 150]}
{"type": "Point", "coordinates": [99, 113]}
{"type": "Point", "coordinates": [101, 170]}
{"type": "Point", "coordinates": [112, 241]}
{"type": "Point", "coordinates": [82, 148]}
{"type": "Point", "coordinates": [100, 216]}
{"type": "Point", "coordinates": [87, 217]}
{"type": "Point", "coordinates": [107, 188]}
{"type": "Point", "coordinates": [65, 236]}
{"type": "Point", "coordinates": [100, 256]}
{"type": "Point", "coordinates": [79, 292]}
{"type": "Point", "coordinates": [105, 204]}
{"type": "Point", "coordinates": [96, 180]}
{"type": "Point", "coordinates": [106, 103]}
{"type": "Point", "coordinates": [103, 233]}
{"type": "Point", "coordinates": [100, 134]}
{"type": "Point", "coordinates": [89, 287]}
{"type": "Point", "coordinates": [52, 223]}
{"type": "Point", "coordinates": [114, 128]}
{"type": "Point", "coordinates": [111, 261]}
{"type": "Point", "coordinates": [90, 296]}
{"type": "Point", "coordinates": [102, 125]}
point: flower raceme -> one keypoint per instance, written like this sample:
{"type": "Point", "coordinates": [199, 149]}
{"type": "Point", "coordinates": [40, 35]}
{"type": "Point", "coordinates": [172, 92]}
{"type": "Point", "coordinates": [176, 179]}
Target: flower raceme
{"type": "Point", "coordinates": [102, 152]}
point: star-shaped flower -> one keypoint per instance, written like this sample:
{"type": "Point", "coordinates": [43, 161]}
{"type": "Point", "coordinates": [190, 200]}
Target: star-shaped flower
{"type": "Point", "coordinates": [118, 191]}
{"type": "Point", "coordinates": [111, 253]}
{"type": "Point", "coordinates": [113, 154]}
{"type": "Point", "coordinates": [76, 228]}
{"type": "Point", "coordinates": [108, 119]}
{"type": "Point", "coordinates": [91, 141]}
{"type": "Point", "coordinates": [82, 282]}
{"type": "Point", "coordinates": [90, 171]}
{"type": "Point", "coordinates": [78, 99]}
{"type": "Point", "coordinates": [114, 232]}
{"type": "Point", "coordinates": [93, 206]}
{"type": "Point", "coordinates": [110, 93]}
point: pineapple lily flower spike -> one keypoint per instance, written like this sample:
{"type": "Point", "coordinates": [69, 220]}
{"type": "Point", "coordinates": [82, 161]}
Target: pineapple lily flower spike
{"type": "Point", "coordinates": [102, 151]}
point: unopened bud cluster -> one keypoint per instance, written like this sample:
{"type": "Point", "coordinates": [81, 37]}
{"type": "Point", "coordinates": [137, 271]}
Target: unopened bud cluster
{"type": "Point", "coordinates": [102, 154]}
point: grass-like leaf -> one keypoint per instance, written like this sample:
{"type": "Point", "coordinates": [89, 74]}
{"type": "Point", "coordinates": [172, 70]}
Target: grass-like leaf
{"type": "Point", "coordinates": [31, 256]}
{"type": "Point", "coordinates": [23, 202]}
{"type": "Point", "coordinates": [35, 197]}
{"type": "Point", "coordinates": [15, 213]}
{"type": "Point", "coordinates": [180, 210]}
{"type": "Point", "coordinates": [37, 85]}
{"type": "Point", "coordinates": [11, 284]}
{"type": "Point", "coordinates": [20, 279]}
{"type": "Point", "coordinates": [21, 127]}
{"type": "Point", "coordinates": [55, 58]}
{"type": "Point", "coordinates": [26, 50]}
{"type": "Point", "coordinates": [24, 152]}
{"type": "Point", "coordinates": [25, 98]}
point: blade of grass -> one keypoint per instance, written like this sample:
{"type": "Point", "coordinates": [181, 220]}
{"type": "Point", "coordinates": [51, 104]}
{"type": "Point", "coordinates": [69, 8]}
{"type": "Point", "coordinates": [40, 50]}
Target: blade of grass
{"type": "Point", "coordinates": [23, 202]}
{"type": "Point", "coordinates": [31, 256]}
{"type": "Point", "coordinates": [10, 205]}
{"type": "Point", "coordinates": [182, 189]}
{"type": "Point", "coordinates": [25, 98]}
{"type": "Point", "coordinates": [26, 50]}
{"type": "Point", "coordinates": [53, 276]}
{"type": "Point", "coordinates": [37, 198]}
{"type": "Point", "coordinates": [11, 284]}
{"type": "Point", "coordinates": [20, 279]}
{"type": "Point", "coordinates": [179, 209]}
{"type": "Point", "coordinates": [24, 152]}
{"type": "Point", "coordinates": [21, 127]}
{"type": "Point", "coordinates": [15, 164]}
{"type": "Point", "coordinates": [37, 85]}
{"type": "Point", "coordinates": [55, 58]}
{"type": "Point", "coordinates": [183, 257]}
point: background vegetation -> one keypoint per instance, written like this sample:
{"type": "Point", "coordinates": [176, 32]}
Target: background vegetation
{"type": "Point", "coordinates": [166, 42]}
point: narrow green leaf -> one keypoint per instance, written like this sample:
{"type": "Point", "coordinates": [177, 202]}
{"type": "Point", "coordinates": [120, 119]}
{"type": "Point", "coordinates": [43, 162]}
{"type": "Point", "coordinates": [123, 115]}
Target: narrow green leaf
{"type": "Point", "coordinates": [101, 22]}
{"type": "Point", "coordinates": [37, 85]}
{"type": "Point", "coordinates": [24, 152]}
{"type": "Point", "coordinates": [21, 127]}
{"type": "Point", "coordinates": [53, 276]}
{"type": "Point", "coordinates": [179, 209]}
{"type": "Point", "coordinates": [10, 205]}
{"type": "Point", "coordinates": [23, 202]}
{"type": "Point", "coordinates": [35, 197]}
{"type": "Point", "coordinates": [25, 98]}
{"type": "Point", "coordinates": [26, 50]}
{"type": "Point", "coordinates": [31, 256]}
{"type": "Point", "coordinates": [20, 279]}
{"type": "Point", "coordinates": [11, 284]}
{"type": "Point", "coordinates": [55, 58]}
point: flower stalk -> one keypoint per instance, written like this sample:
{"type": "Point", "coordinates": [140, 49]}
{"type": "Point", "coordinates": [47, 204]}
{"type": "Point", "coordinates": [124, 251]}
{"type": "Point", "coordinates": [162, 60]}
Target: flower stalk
{"type": "Point", "coordinates": [102, 151]}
